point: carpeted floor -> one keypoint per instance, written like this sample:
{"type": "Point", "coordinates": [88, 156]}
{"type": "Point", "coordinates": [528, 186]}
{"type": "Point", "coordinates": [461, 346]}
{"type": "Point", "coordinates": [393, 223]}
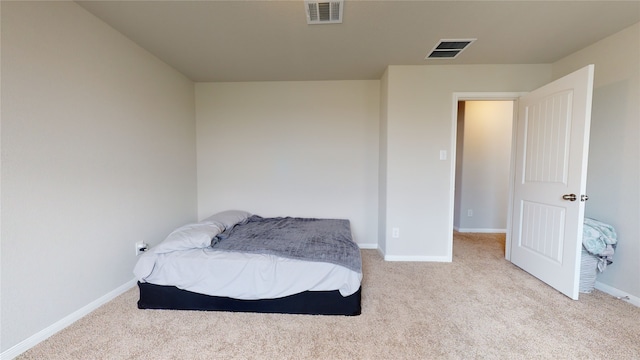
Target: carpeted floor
{"type": "Point", "coordinates": [478, 307]}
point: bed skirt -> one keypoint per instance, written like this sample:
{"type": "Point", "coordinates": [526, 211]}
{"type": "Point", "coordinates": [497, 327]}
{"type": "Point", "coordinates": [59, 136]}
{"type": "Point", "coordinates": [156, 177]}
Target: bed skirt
{"type": "Point", "coordinates": [309, 302]}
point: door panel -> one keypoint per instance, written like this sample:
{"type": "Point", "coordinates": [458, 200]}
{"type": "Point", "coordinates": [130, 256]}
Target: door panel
{"type": "Point", "coordinates": [547, 125]}
{"type": "Point", "coordinates": [542, 230]}
{"type": "Point", "coordinates": [552, 139]}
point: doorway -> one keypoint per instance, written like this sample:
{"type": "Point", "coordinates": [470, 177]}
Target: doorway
{"type": "Point", "coordinates": [483, 159]}
{"type": "Point", "coordinates": [481, 201]}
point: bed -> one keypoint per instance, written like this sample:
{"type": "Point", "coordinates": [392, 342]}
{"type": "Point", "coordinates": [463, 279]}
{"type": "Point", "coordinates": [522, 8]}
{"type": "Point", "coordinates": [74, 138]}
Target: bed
{"type": "Point", "coordinates": [236, 261]}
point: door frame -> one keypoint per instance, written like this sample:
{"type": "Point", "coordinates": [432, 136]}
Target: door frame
{"type": "Point", "coordinates": [481, 96]}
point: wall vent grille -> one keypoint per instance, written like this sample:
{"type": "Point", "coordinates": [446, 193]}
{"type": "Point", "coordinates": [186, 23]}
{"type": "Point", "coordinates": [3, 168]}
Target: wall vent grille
{"type": "Point", "coordinates": [324, 12]}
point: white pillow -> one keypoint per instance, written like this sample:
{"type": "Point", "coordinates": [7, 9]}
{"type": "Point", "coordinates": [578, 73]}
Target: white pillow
{"type": "Point", "coordinates": [190, 236]}
{"type": "Point", "coordinates": [228, 218]}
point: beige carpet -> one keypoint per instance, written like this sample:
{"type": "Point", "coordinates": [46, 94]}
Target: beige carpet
{"type": "Point", "coordinates": [478, 307]}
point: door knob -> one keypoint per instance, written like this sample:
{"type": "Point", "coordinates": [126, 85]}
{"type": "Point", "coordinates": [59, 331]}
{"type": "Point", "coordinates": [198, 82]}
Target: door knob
{"type": "Point", "coordinates": [570, 197]}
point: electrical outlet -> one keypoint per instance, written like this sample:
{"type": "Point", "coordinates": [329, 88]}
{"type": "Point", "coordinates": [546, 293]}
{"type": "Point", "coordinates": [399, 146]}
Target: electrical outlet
{"type": "Point", "coordinates": [395, 232]}
{"type": "Point", "coordinates": [470, 212]}
{"type": "Point", "coordinates": [141, 247]}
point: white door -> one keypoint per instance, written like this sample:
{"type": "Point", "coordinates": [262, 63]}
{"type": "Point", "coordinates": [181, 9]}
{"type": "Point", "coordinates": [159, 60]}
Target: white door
{"type": "Point", "coordinates": [552, 143]}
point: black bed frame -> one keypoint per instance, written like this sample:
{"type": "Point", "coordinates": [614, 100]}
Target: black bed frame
{"type": "Point", "coordinates": [309, 302]}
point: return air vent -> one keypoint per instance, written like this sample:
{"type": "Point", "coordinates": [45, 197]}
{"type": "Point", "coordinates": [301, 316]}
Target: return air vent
{"type": "Point", "coordinates": [449, 48]}
{"type": "Point", "coordinates": [328, 12]}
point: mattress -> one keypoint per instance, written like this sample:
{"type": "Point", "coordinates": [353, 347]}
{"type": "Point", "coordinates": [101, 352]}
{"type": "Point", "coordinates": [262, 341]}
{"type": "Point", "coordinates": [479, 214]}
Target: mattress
{"type": "Point", "coordinates": [187, 271]}
{"type": "Point", "coordinates": [244, 276]}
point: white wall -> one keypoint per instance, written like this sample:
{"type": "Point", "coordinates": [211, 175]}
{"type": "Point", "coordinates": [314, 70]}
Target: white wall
{"type": "Point", "coordinates": [420, 123]}
{"type": "Point", "coordinates": [613, 179]}
{"type": "Point", "coordinates": [484, 168]}
{"type": "Point", "coordinates": [307, 149]}
{"type": "Point", "coordinates": [98, 152]}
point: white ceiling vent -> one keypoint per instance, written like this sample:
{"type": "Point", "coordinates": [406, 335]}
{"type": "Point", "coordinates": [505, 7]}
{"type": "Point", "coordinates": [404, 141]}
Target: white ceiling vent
{"type": "Point", "coordinates": [449, 48]}
{"type": "Point", "coordinates": [324, 12]}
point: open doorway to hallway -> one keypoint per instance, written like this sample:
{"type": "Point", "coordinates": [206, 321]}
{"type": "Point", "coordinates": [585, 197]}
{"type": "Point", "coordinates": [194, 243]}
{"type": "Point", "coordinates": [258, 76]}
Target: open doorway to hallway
{"type": "Point", "coordinates": [483, 164]}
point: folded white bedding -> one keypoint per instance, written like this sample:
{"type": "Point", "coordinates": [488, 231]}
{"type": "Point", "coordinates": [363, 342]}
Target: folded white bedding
{"type": "Point", "coordinates": [243, 276]}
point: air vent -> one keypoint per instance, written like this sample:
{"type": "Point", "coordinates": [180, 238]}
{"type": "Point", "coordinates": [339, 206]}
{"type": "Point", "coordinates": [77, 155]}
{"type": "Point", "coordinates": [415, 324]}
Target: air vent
{"type": "Point", "coordinates": [328, 12]}
{"type": "Point", "coordinates": [449, 48]}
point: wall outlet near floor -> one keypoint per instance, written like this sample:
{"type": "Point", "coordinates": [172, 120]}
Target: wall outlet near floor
{"type": "Point", "coordinates": [395, 232]}
{"type": "Point", "coordinates": [470, 212]}
{"type": "Point", "coordinates": [141, 247]}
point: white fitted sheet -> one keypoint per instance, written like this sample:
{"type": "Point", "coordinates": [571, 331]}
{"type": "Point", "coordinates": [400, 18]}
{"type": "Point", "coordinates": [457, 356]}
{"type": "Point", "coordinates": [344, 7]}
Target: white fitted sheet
{"type": "Point", "coordinates": [243, 276]}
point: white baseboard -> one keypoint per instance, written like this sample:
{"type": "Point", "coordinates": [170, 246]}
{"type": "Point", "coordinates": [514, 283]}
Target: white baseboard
{"type": "Point", "coordinates": [44, 334]}
{"type": "Point", "coordinates": [413, 258]}
{"type": "Point", "coordinates": [368, 246]}
{"type": "Point", "coordinates": [417, 258]}
{"type": "Point", "coordinates": [488, 231]}
{"type": "Point", "coordinates": [634, 300]}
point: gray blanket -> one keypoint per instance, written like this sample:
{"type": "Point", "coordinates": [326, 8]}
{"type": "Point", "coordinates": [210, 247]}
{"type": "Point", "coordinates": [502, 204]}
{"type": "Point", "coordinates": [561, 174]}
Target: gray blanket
{"type": "Point", "coordinates": [325, 240]}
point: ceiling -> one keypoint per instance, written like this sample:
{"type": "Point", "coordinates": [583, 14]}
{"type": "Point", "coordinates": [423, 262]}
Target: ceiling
{"type": "Point", "coordinates": [270, 40]}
